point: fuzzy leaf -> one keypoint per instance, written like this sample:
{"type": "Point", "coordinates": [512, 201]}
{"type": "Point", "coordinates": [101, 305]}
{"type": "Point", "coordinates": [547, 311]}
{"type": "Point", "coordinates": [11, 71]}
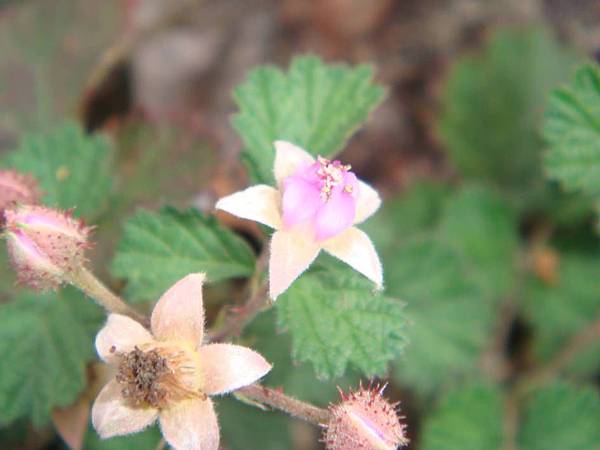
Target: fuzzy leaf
{"type": "Point", "coordinates": [558, 311]}
{"type": "Point", "coordinates": [315, 105]}
{"type": "Point", "coordinates": [450, 315]}
{"type": "Point", "coordinates": [73, 168]}
{"type": "Point", "coordinates": [336, 320]}
{"type": "Point", "coordinates": [561, 416]}
{"type": "Point", "coordinates": [481, 228]}
{"type": "Point", "coordinates": [572, 128]}
{"type": "Point", "coordinates": [492, 109]}
{"type": "Point", "coordinates": [469, 418]}
{"type": "Point", "coordinates": [158, 249]}
{"type": "Point", "coordinates": [449, 256]}
{"type": "Point", "coordinates": [46, 340]}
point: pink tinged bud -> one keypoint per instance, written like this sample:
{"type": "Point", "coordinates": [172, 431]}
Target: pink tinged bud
{"type": "Point", "coordinates": [365, 420]}
{"type": "Point", "coordinates": [45, 245]}
{"type": "Point", "coordinates": [322, 195]}
{"type": "Point", "coordinates": [16, 187]}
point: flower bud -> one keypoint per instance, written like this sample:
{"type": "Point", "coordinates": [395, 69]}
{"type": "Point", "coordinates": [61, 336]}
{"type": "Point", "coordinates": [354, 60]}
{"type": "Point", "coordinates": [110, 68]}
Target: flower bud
{"type": "Point", "coordinates": [45, 245]}
{"type": "Point", "coordinates": [364, 420]}
{"type": "Point", "coordinates": [16, 187]}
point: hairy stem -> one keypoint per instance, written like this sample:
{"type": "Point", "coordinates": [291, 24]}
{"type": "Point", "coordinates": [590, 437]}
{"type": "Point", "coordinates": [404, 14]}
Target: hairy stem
{"type": "Point", "coordinates": [257, 393]}
{"type": "Point", "coordinates": [94, 288]}
{"type": "Point", "coordinates": [237, 320]}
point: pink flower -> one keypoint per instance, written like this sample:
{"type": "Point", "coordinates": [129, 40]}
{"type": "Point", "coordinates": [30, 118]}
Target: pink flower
{"type": "Point", "coordinates": [364, 420]}
{"type": "Point", "coordinates": [170, 374]}
{"type": "Point", "coordinates": [45, 245]}
{"type": "Point", "coordinates": [315, 207]}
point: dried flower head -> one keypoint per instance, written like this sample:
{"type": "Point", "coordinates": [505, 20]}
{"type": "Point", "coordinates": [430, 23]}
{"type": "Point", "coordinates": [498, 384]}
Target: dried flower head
{"type": "Point", "coordinates": [364, 420]}
{"type": "Point", "coordinates": [169, 374]}
{"type": "Point", "coordinates": [315, 207]}
{"type": "Point", "coordinates": [16, 187]}
{"type": "Point", "coordinates": [45, 245]}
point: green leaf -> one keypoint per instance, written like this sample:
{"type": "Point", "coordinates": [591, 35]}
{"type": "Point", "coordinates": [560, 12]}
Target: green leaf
{"type": "Point", "coordinates": [46, 340]}
{"type": "Point", "coordinates": [572, 128]}
{"type": "Point", "coordinates": [469, 418]}
{"type": "Point", "coordinates": [158, 249]}
{"type": "Point", "coordinates": [147, 439]}
{"type": "Point", "coordinates": [482, 229]}
{"type": "Point", "coordinates": [449, 255]}
{"type": "Point", "coordinates": [314, 105]}
{"type": "Point", "coordinates": [561, 416]}
{"type": "Point", "coordinates": [450, 316]}
{"type": "Point", "coordinates": [336, 320]}
{"type": "Point", "coordinates": [73, 168]}
{"type": "Point", "coordinates": [492, 109]}
{"type": "Point", "coordinates": [558, 311]}
{"type": "Point", "coordinates": [245, 427]}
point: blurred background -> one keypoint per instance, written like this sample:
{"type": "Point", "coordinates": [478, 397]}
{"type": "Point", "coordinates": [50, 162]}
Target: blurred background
{"type": "Point", "coordinates": [455, 148]}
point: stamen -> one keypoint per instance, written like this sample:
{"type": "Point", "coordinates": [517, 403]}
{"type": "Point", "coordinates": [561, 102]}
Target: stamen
{"type": "Point", "coordinates": [331, 175]}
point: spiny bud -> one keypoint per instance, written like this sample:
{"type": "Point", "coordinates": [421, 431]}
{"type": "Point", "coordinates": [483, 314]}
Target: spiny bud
{"type": "Point", "coordinates": [364, 420]}
{"type": "Point", "coordinates": [45, 245]}
{"type": "Point", "coordinates": [16, 187]}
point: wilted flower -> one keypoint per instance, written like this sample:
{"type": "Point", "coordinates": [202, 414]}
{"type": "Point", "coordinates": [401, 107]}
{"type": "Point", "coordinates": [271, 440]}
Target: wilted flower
{"type": "Point", "coordinates": [169, 374]}
{"type": "Point", "coordinates": [16, 187]}
{"type": "Point", "coordinates": [45, 245]}
{"type": "Point", "coordinates": [315, 207]}
{"type": "Point", "coordinates": [364, 420]}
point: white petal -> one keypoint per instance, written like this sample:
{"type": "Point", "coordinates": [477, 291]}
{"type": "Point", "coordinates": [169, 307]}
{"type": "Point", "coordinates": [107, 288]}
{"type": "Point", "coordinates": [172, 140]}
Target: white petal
{"type": "Point", "coordinates": [368, 202]}
{"type": "Point", "coordinates": [260, 203]}
{"type": "Point", "coordinates": [354, 247]}
{"type": "Point", "coordinates": [291, 254]}
{"type": "Point", "coordinates": [227, 367]}
{"type": "Point", "coordinates": [287, 159]}
{"type": "Point", "coordinates": [179, 314]}
{"type": "Point", "coordinates": [120, 335]}
{"type": "Point", "coordinates": [191, 425]}
{"type": "Point", "coordinates": [112, 417]}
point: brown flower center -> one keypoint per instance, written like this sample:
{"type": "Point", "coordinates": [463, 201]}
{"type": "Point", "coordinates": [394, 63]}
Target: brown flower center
{"type": "Point", "coordinates": [157, 377]}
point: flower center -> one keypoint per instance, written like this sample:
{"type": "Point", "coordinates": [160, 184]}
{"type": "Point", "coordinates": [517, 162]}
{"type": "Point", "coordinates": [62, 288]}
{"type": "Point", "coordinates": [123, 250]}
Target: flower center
{"type": "Point", "coordinates": [331, 174]}
{"type": "Point", "coordinates": [157, 377]}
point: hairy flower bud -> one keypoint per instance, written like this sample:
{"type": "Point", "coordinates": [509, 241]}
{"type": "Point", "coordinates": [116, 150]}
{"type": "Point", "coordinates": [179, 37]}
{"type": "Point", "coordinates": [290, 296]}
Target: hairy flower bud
{"type": "Point", "coordinates": [364, 420]}
{"type": "Point", "coordinates": [16, 187]}
{"type": "Point", "coordinates": [45, 245]}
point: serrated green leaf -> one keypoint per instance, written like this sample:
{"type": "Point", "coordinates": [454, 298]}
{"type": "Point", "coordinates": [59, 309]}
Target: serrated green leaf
{"type": "Point", "coordinates": [572, 128]}
{"type": "Point", "coordinates": [248, 428]}
{"type": "Point", "coordinates": [558, 311]}
{"type": "Point", "coordinates": [337, 320]}
{"type": "Point", "coordinates": [469, 418]}
{"type": "Point", "coordinates": [158, 249]}
{"type": "Point", "coordinates": [492, 107]}
{"type": "Point", "coordinates": [147, 439]}
{"type": "Point", "coordinates": [449, 255]}
{"type": "Point", "coordinates": [561, 416]}
{"type": "Point", "coordinates": [46, 340]}
{"type": "Point", "coordinates": [482, 229]}
{"type": "Point", "coordinates": [314, 105]}
{"type": "Point", "coordinates": [73, 168]}
{"type": "Point", "coordinates": [450, 316]}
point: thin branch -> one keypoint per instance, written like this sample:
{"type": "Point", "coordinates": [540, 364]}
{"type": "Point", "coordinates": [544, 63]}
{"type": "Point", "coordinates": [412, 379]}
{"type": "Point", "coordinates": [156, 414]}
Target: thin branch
{"type": "Point", "coordinates": [235, 322]}
{"type": "Point", "coordinates": [577, 344]}
{"type": "Point", "coordinates": [122, 49]}
{"type": "Point", "coordinates": [161, 444]}
{"type": "Point", "coordinates": [256, 393]}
